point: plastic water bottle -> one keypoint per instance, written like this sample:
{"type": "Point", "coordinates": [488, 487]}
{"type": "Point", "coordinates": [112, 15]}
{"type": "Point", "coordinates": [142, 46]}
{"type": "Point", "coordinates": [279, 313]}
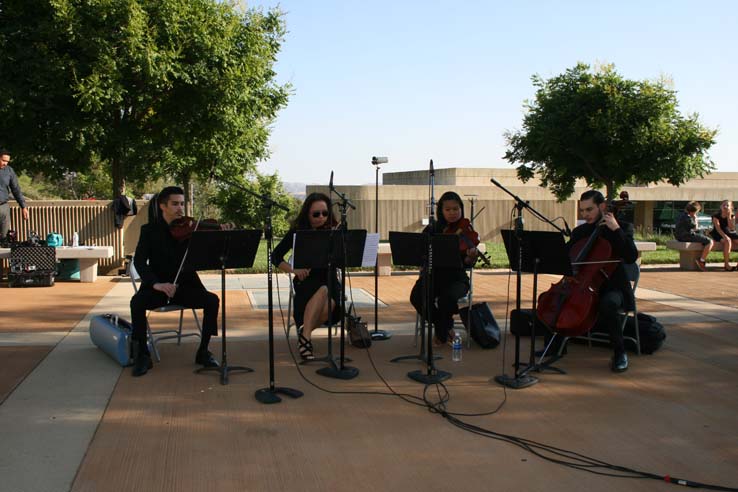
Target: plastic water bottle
{"type": "Point", "coordinates": [75, 239]}
{"type": "Point", "coordinates": [456, 347]}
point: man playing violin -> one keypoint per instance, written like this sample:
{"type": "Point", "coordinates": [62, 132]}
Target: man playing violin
{"type": "Point", "coordinates": [449, 284]}
{"type": "Point", "coordinates": [616, 293]}
{"type": "Point", "coordinates": [158, 259]}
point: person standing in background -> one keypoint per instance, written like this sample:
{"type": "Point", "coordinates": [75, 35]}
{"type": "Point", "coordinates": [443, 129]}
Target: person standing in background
{"type": "Point", "coordinates": [9, 184]}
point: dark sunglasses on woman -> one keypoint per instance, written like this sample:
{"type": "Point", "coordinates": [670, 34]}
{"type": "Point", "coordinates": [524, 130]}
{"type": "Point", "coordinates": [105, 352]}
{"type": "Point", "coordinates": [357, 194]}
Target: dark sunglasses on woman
{"type": "Point", "coordinates": [318, 213]}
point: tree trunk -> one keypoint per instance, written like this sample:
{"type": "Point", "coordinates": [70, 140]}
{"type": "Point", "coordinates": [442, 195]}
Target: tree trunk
{"type": "Point", "coordinates": [188, 195]}
{"type": "Point", "coordinates": [119, 177]}
{"type": "Point", "coordinates": [611, 189]}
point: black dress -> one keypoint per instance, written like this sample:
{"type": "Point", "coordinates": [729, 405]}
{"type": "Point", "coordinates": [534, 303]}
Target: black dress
{"type": "Point", "coordinates": [723, 221]}
{"type": "Point", "coordinates": [305, 289]}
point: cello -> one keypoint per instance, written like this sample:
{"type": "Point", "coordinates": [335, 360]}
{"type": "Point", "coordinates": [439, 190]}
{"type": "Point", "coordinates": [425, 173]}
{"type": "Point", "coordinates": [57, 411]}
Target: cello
{"type": "Point", "coordinates": [570, 306]}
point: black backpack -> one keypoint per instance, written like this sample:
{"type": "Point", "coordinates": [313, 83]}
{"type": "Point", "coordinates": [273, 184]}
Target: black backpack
{"type": "Point", "coordinates": [652, 332]}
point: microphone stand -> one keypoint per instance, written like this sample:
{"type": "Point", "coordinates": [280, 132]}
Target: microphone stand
{"type": "Point", "coordinates": [341, 371]}
{"type": "Point", "coordinates": [378, 334]}
{"type": "Point", "coordinates": [269, 394]}
{"type": "Point", "coordinates": [522, 379]}
{"type": "Point", "coordinates": [432, 375]}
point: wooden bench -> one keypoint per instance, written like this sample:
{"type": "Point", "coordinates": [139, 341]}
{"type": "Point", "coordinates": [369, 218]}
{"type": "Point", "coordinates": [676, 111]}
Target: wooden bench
{"type": "Point", "coordinates": [689, 252]}
{"type": "Point", "coordinates": [87, 256]}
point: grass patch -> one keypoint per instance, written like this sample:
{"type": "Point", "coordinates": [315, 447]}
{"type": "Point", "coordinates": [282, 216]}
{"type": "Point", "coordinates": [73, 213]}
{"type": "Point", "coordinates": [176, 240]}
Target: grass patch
{"type": "Point", "coordinates": [498, 256]}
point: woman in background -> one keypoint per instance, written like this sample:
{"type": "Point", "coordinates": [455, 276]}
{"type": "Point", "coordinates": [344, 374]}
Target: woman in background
{"type": "Point", "coordinates": [724, 231]}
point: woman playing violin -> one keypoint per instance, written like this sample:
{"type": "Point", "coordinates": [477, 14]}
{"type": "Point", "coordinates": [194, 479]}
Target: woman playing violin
{"type": "Point", "coordinates": [615, 293]}
{"type": "Point", "coordinates": [311, 306]}
{"type": "Point", "coordinates": [449, 284]}
{"type": "Point", "coordinates": [158, 259]}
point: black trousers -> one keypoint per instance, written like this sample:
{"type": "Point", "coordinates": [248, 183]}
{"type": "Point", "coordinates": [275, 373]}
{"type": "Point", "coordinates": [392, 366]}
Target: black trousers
{"type": "Point", "coordinates": [611, 302]}
{"type": "Point", "coordinates": [447, 293]}
{"type": "Point", "coordinates": [190, 297]}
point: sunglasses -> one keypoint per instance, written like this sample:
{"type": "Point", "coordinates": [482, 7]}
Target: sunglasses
{"type": "Point", "coordinates": [318, 213]}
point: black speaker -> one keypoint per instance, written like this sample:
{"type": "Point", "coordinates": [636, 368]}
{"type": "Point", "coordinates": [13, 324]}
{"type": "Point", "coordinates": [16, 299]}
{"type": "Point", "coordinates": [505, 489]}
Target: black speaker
{"type": "Point", "coordinates": [521, 320]}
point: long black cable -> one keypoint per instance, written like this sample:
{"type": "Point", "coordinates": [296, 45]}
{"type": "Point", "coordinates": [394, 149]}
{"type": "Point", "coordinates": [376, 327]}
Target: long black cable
{"type": "Point", "coordinates": [552, 454]}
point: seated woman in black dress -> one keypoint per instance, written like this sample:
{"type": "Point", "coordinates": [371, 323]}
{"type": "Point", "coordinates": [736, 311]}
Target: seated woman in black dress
{"type": "Point", "coordinates": [724, 230]}
{"type": "Point", "coordinates": [449, 284]}
{"type": "Point", "coordinates": [310, 284]}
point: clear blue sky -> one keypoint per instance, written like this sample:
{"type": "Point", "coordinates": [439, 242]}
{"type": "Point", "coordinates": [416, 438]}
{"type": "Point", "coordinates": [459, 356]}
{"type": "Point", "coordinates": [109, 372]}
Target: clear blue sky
{"type": "Point", "coordinates": [415, 80]}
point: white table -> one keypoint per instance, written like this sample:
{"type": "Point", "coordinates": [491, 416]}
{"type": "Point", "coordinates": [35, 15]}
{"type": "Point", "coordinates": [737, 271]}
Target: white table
{"type": "Point", "coordinates": [87, 256]}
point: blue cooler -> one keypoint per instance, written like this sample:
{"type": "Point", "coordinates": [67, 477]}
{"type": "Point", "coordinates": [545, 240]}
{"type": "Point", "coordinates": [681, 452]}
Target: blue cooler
{"type": "Point", "coordinates": [54, 240]}
{"type": "Point", "coordinates": [68, 269]}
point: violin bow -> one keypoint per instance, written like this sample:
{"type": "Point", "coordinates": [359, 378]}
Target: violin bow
{"type": "Point", "coordinates": [184, 257]}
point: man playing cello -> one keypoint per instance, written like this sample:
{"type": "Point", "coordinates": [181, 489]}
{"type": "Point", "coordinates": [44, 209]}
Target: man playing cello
{"type": "Point", "coordinates": [616, 293]}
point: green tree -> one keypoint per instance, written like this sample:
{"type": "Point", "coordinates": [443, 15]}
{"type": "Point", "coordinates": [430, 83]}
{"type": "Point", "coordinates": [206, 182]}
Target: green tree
{"type": "Point", "coordinates": [596, 125]}
{"type": "Point", "coordinates": [148, 87]}
{"type": "Point", "coordinates": [246, 210]}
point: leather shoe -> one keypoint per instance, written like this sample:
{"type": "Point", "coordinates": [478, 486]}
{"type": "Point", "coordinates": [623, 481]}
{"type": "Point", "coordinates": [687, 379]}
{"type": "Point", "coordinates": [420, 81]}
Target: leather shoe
{"type": "Point", "coordinates": [619, 362]}
{"type": "Point", "coordinates": [205, 359]}
{"type": "Point", "coordinates": [141, 363]}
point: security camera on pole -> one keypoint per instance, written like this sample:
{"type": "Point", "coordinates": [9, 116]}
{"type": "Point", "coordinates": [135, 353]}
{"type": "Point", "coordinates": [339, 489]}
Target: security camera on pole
{"type": "Point", "coordinates": [377, 334]}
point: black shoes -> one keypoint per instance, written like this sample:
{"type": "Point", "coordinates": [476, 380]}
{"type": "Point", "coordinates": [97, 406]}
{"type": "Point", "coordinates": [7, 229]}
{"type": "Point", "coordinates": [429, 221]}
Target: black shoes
{"type": "Point", "coordinates": [206, 359]}
{"type": "Point", "coordinates": [141, 360]}
{"type": "Point", "coordinates": [619, 362]}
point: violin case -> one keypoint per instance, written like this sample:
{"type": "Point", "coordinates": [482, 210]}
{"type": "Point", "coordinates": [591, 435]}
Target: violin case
{"type": "Point", "coordinates": [112, 335]}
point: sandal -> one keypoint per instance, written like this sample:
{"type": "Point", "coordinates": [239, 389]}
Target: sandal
{"type": "Point", "coordinates": [304, 346]}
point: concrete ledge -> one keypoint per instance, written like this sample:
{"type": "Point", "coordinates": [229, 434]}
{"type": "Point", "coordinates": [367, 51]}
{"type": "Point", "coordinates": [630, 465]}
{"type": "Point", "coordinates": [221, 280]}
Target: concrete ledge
{"type": "Point", "coordinates": [690, 251]}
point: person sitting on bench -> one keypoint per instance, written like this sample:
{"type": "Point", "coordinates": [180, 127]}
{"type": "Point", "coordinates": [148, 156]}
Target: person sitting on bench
{"type": "Point", "coordinates": [724, 231]}
{"type": "Point", "coordinates": [685, 230]}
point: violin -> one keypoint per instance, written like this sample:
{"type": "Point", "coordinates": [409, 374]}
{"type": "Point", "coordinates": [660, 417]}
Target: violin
{"type": "Point", "coordinates": [468, 237]}
{"type": "Point", "coordinates": [182, 228]}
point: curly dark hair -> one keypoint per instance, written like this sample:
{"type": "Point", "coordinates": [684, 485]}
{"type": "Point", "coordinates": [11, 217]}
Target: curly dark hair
{"type": "Point", "coordinates": [302, 221]}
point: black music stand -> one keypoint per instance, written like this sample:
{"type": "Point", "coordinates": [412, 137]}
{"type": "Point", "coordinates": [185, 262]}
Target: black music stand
{"type": "Point", "coordinates": [542, 252]}
{"type": "Point", "coordinates": [218, 250]}
{"type": "Point", "coordinates": [331, 249]}
{"type": "Point", "coordinates": [411, 249]}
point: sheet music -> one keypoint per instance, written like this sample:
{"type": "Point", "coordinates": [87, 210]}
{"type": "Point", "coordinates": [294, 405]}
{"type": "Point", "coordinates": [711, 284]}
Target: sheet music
{"type": "Point", "coordinates": [371, 248]}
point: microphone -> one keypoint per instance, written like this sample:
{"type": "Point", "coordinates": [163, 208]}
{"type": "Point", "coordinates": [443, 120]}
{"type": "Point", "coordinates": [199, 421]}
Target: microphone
{"type": "Point", "coordinates": [493, 180]}
{"type": "Point", "coordinates": [330, 185]}
{"type": "Point", "coordinates": [379, 160]}
{"type": "Point", "coordinates": [567, 232]}
{"type": "Point", "coordinates": [431, 166]}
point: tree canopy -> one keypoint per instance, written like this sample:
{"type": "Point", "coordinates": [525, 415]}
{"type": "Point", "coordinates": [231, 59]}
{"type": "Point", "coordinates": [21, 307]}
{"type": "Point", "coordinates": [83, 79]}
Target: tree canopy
{"type": "Point", "coordinates": [147, 87]}
{"type": "Point", "coordinates": [610, 131]}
